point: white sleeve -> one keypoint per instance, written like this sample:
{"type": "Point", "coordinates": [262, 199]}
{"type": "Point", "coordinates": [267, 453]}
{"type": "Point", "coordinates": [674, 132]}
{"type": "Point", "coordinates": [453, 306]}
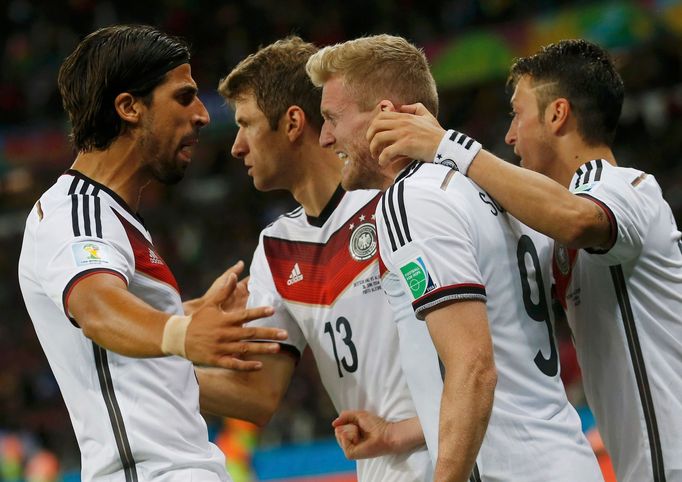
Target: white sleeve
{"type": "Point", "coordinates": [629, 209]}
{"type": "Point", "coordinates": [65, 257]}
{"type": "Point", "coordinates": [427, 240]}
{"type": "Point", "coordinates": [262, 291]}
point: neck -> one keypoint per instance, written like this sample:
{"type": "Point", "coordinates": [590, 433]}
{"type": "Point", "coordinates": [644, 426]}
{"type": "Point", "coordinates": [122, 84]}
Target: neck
{"type": "Point", "coordinates": [391, 172]}
{"type": "Point", "coordinates": [319, 176]}
{"type": "Point", "coordinates": [117, 168]}
{"type": "Point", "coordinates": [572, 154]}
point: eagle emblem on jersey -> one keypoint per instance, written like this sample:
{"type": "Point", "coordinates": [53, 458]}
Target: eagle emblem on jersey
{"type": "Point", "coordinates": [562, 259]}
{"type": "Point", "coordinates": [363, 242]}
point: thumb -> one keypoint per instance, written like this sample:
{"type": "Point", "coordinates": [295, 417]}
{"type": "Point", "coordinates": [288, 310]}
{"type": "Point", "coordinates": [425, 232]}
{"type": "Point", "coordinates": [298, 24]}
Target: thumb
{"type": "Point", "coordinates": [225, 290]}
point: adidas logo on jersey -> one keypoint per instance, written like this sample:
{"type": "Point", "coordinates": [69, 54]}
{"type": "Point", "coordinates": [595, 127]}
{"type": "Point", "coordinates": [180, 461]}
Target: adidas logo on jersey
{"type": "Point", "coordinates": [295, 275]}
{"type": "Point", "coordinates": [154, 258]}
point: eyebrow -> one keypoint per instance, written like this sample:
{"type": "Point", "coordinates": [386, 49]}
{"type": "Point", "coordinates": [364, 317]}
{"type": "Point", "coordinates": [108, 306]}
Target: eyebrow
{"type": "Point", "coordinates": [187, 89]}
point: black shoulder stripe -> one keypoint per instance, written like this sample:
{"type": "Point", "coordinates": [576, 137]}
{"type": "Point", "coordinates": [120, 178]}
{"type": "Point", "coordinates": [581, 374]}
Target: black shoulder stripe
{"type": "Point", "coordinates": [403, 211]}
{"type": "Point", "coordinates": [74, 215]}
{"type": "Point", "coordinates": [588, 171]}
{"type": "Point", "coordinates": [86, 215]}
{"type": "Point", "coordinates": [394, 217]}
{"type": "Point", "coordinates": [597, 175]}
{"type": "Point", "coordinates": [74, 183]}
{"type": "Point", "coordinates": [98, 213]}
{"type": "Point", "coordinates": [585, 171]}
{"type": "Point", "coordinates": [387, 223]}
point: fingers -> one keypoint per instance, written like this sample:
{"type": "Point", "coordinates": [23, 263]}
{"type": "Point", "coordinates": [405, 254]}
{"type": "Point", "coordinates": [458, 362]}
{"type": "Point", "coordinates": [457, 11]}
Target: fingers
{"type": "Point", "coordinates": [254, 333]}
{"type": "Point", "coordinates": [226, 285]}
{"type": "Point", "coordinates": [241, 316]}
{"type": "Point", "coordinates": [345, 417]}
{"type": "Point", "coordinates": [415, 109]}
{"type": "Point", "coordinates": [234, 363]}
{"type": "Point", "coordinates": [236, 268]}
{"type": "Point", "coordinates": [349, 434]}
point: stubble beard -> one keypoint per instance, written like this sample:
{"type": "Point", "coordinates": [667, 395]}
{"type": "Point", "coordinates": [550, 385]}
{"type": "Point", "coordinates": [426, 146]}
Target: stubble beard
{"type": "Point", "coordinates": [362, 172]}
{"type": "Point", "coordinates": [166, 171]}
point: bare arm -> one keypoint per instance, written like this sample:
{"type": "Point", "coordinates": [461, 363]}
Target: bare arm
{"type": "Point", "coordinates": [119, 321]}
{"type": "Point", "coordinates": [461, 335]}
{"type": "Point", "coordinates": [252, 396]}
{"type": "Point", "coordinates": [363, 435]}
{"type": "Point", "coordinates": [534, 199]}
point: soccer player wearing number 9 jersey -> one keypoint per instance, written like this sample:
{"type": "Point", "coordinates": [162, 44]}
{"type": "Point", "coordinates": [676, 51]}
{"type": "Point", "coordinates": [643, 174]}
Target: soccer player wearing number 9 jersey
{"type": "Point", "coordinates": [617, 260]}
{"type": "Point", "coordinates": [479, 278]}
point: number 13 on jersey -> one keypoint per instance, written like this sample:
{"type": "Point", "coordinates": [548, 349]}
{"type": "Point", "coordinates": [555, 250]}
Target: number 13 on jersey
{"type": "Point", "coordinates": [343, 332]}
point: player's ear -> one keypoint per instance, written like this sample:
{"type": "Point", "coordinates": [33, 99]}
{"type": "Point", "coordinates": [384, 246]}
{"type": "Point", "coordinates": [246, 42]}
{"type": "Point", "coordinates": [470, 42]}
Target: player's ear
{"type": "Point", "coordinates": [557, 113]}
{"type": "Point", "coordinates": [294, 122]}
{"type": "Point", "coordinates": [128, 107]}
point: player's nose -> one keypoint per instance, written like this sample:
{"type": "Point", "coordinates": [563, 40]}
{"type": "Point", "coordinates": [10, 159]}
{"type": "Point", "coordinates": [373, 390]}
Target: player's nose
{"type": "Point", "coordinates": [326, 137]}
{"type": "Point", "coordinates": [510, 137]}
{"type": "Point", "coordinates": [240, 146]}
{"type": "Point", "coordinates": [201, 117]}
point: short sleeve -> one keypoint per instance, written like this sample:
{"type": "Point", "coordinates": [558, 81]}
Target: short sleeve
{"type": "Point", "coordinates": [262, 292]}
{"type": "Point", "coordinates": [66, 256]}
{"type": "Point", "coordinates": [627, 205]}
{"type": "Point", "coordinates": [427, 240]}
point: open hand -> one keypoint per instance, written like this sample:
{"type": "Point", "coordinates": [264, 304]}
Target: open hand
{"type": "Point", "coordinates": [217, 337]}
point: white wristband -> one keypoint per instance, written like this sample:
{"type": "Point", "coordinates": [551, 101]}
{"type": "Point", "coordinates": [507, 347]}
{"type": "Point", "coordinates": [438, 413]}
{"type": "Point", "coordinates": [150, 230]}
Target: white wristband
{"type": "Point", "coordinates": [456, 151]}
{"type": "Point", "coordinates": [174, 333]}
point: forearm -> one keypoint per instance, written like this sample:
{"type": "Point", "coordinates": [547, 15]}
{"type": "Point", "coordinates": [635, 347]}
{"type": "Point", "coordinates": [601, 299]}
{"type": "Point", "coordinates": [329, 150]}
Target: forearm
{"type": "Point", "coordinates": [405, 435]}
{"type": "Point", "coordinates": [118, 321]}
{"type": "Point", "coordinates": [540, 202]}
{"type": "Point", "coordinates": [466, 405]}
{"type": "Point", "coordinates": [252, 396]}
{"type": "Point", "coordinates": [236, 395]}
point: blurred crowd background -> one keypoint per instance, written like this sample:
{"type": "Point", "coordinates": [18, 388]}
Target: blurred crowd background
{"type": "Point", "coordinates": [213, 217]}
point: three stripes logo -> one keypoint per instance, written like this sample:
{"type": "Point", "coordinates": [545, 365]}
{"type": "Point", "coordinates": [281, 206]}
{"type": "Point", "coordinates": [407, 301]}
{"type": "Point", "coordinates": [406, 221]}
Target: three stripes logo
{"type": "Point", "coordinates": [295, 275]}
{"type": "Point", "coordinates": [462, 139]}
{"type": "Point", "coordinates": [154, 258]}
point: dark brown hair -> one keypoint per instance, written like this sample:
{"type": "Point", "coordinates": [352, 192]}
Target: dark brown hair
{"type": "Point", "coordinates": [106, 63]}
{"type": "Point", "coordinates": [584, 74]}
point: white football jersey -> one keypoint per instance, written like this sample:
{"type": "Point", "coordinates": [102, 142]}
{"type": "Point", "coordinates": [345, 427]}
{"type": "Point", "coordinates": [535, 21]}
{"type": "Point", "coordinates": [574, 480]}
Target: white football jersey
{"type": "Point", "coordinates": [322, 277]}
{"type": "Point", "coordinates": [442, 238]}
{"type": "Point", "coordinates": [625, 308]}
{"type": "Point", "coordinates": [136, 419]}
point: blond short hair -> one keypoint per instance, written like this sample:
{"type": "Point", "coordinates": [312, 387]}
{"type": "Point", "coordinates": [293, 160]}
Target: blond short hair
{"type": "Point", "coordinates": [375, 68]}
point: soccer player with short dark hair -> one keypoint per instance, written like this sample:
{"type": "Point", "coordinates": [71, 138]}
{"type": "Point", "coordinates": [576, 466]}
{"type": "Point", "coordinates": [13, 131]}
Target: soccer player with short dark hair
{"type": "Point", "coordinates": [617, 255]}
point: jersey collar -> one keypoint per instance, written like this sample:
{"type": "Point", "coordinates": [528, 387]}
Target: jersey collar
{"type": "Point", "coordinates": [328, 209]}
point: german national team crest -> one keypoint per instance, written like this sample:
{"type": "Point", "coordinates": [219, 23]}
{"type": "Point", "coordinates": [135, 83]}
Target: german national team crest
{"type": "Point", "coordinates": [363, 242]}
{"type": "Point", "coordinates": [563, 261]}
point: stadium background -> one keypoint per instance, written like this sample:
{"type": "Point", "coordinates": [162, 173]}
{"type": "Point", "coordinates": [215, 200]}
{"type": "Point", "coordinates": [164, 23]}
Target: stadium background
{"type": "Point", "coordinates": [213, 217]}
